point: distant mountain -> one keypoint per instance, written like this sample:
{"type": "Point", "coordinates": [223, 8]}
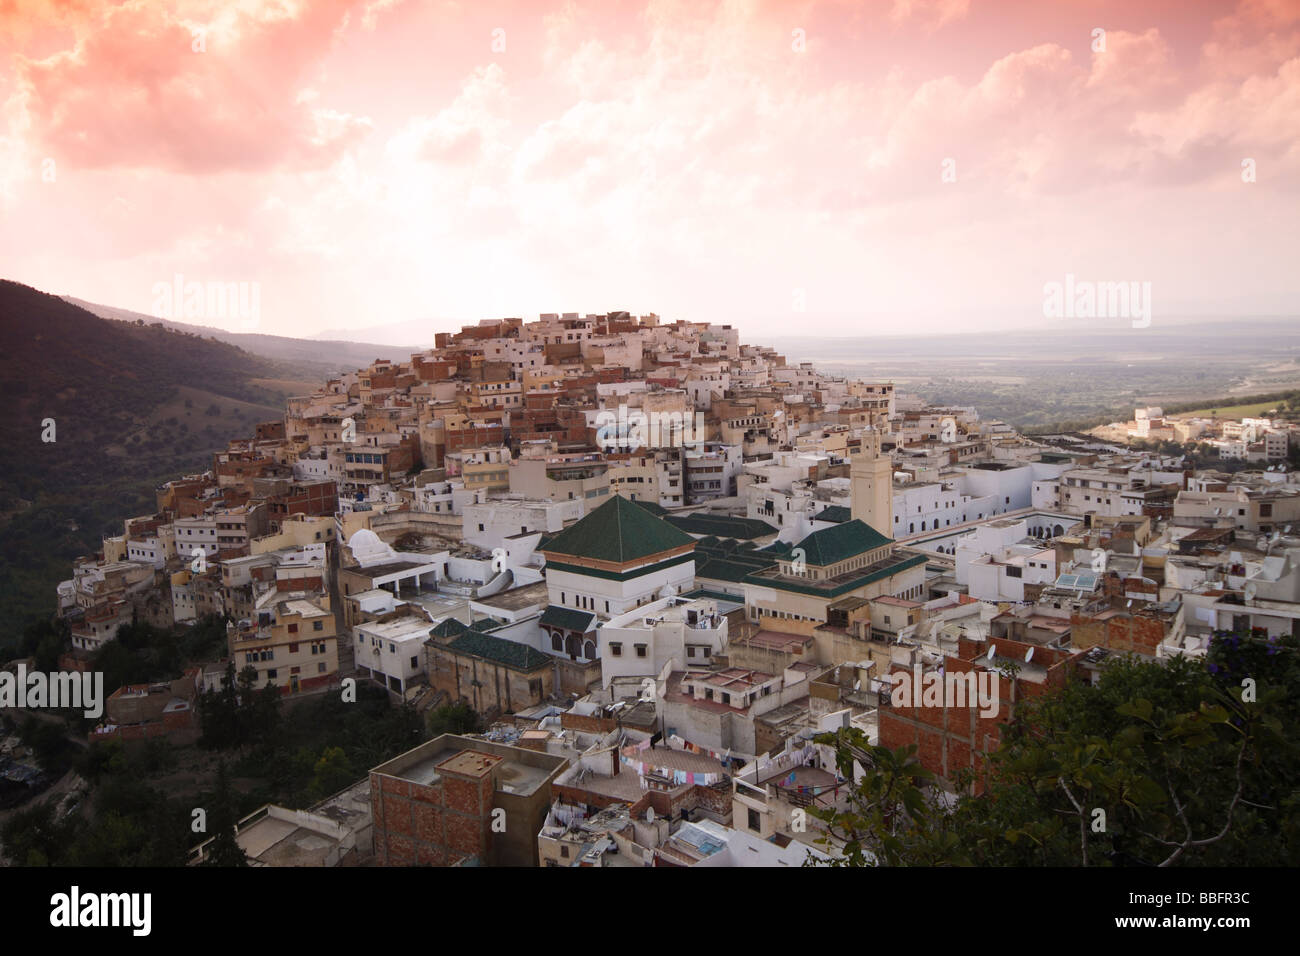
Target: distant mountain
{"type": "Point", "coordinates": [395, 334]}
{"type": "Point", "coordinates": [317, 357]}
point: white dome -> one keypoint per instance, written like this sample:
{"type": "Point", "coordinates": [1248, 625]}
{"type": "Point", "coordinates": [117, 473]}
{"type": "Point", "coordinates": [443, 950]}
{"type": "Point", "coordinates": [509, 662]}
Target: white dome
{"type": "Point", "coordinates": [367, 548]}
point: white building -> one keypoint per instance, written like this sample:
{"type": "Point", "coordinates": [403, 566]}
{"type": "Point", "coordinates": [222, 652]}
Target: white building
{"type": "Point", "coordinates": [670, 633]}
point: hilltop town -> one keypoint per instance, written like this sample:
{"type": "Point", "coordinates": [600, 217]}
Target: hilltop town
{"type": "Point", "coordinates": [657, 564]}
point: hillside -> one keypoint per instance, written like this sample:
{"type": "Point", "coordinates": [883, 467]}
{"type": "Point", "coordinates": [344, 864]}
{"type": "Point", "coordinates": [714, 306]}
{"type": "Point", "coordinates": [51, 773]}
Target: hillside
{"type": "Point", "coordinates": [132, 405]}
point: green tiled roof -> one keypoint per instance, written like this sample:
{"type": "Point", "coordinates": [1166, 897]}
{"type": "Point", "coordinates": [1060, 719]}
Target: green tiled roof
{"type": "Point", "coordinates": [508, 653]}
{"type": "Point", "coordinates": [567, 618]}
{"type": "Point", "coordinates": [448, 627]}
{"type": "Point", "coordinates": [841, 542]}
{"type": "Point", "coordinates": [728, 560]}
{"type": "Point", "coordinates": [714, 596]}
{"type": "Point", "coordinates": [620, 531]}
{"type": "Point", "coordinates": [720, 569]}
{"type": "Point", "coordinates": [837, 513]}
{"type": "Point", "coordinates": [721, 525]}
{"type": "Point", "coordinates": [655, 509]}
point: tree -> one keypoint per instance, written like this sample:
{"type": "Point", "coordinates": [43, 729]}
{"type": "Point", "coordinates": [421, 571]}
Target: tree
{"type": "Point", "coordinates": [219, 713]}
{"type": "Point", "coordinates": [458, 718]}
{"type": "Point", "coordinates": [894, 817]}
{"type": "Point", "coordinates": [333, 772]}
{"type": "Point", "coordinates": [1161, 763]}
{"type": "Point", "coordinates": [224, 850]}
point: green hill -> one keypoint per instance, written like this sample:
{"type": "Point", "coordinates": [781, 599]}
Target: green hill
{"type": "Point", "coordinates": [132, 405]}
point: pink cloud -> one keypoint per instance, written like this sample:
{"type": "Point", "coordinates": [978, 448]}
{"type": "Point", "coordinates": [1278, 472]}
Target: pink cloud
{"type": "Point", "coordinates": [154, 89]}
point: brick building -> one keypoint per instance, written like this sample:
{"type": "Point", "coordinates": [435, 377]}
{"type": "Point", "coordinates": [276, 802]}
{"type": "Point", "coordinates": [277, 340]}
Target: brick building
{"type": "Point", "coordinates": [457, 800]}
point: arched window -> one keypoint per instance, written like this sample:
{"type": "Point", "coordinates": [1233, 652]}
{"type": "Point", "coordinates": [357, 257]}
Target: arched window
{"type": "Point", "coordinates": [589, 650]}
{"type": "Point", "coordinates": [557, 642]}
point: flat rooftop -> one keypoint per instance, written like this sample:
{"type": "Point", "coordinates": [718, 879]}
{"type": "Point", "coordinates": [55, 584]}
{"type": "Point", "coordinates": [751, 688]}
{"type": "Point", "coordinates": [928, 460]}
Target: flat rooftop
{"type": "Point", "coordinates": [470, 763]}
{"type": "Point", "coordinates": [394, 567]}
{"type": "Point", "coordinates": [517, 599]}
{"type": "Point", "coordinates": [513, 769]}
{"type": "Point", "coordinates": [775, 640]}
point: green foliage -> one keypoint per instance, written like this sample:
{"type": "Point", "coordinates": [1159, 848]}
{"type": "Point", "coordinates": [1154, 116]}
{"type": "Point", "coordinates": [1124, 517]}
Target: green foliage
{"type": "Point", "coordinates": [331, 773]}
{"type": "Point", "coordinates": [133, 825]}
{"type": "Point", "coordinates": [458, 718]}
{"type": "Point", "coordinates": [1160, 763]}
{"type": "Point", "coordinates": [893, 818]}
{"type": "Point", "coordinates": [109, 387]}
{"type": "Point", "coordinates": [222, 817]}
{"type": "Point", "coordinates": [368, 732]}
{"type": "Point", "coordinates": [237, 713]}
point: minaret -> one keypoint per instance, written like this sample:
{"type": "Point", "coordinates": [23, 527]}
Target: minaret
{"type": "Point", "coordinates": [871, 478]}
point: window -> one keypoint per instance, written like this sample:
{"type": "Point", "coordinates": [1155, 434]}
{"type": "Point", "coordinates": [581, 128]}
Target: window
{"type": "Point", "coordinates": [754, 822]}
{"type": "Point", "coordinates": [318, 625]}
{"type": "Point", "coordinates": [270, 675]}
{"type": "Point", "coordinates": [640, 650]}
{"type": "Point", "coordinates": [320, 668]}
{"type": "Point", "coordinates": [615, 649]}
{"type": "Point", "coordinates": [293, 628]}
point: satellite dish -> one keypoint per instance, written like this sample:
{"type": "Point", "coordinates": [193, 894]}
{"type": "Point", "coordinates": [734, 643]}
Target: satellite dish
{"type": "Point", "coordinates": [993, 650]}
{"type": "Point", "coordinates": [1250, 590]}
{"type": "Point", "coordinates": [1218, 511]}
{"type": "Point", "coordinates": [1130, 603]}
{"type": "Point", "coordinates": [1029, 655]}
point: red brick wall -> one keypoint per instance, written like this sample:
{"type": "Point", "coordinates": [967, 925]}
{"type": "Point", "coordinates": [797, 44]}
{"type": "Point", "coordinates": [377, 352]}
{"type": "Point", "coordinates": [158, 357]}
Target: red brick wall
{"type": "Point", "coordinates": [1124, 633]}
{"type": "Point", "coordinates": [437, 825]}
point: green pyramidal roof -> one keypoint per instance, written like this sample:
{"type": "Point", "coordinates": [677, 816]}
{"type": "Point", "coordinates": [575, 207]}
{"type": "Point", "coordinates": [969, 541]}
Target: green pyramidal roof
{"type": "Point", "coordinates": [840, 542]}
{"type": "Point", "coordinates": [619, 531]}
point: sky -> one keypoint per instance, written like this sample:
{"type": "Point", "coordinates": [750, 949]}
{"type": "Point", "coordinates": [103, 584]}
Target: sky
{"type": "Point", "coordinates": [822, 167]}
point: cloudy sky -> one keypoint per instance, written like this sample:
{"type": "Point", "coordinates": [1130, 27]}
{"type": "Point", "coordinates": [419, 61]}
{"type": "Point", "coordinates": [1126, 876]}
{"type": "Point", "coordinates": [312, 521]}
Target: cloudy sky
{"type": "Point", "coordinates": [793, 167]}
